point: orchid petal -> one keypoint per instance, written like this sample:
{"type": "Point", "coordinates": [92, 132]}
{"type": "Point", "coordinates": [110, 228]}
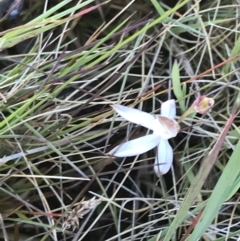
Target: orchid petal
{"type": "Point", "coordinates": [136, 116]}
{"type": "Point", "coordinates": [164, 159]}
{"type": "Point", "coordinates": [136, 146]}
{"type": "Point", "coordinates": [168, 109]}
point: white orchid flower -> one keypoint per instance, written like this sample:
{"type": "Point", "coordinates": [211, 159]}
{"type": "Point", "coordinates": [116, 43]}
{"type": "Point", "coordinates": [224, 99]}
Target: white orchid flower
{"type": "Point", "coordinates": [164, 127]}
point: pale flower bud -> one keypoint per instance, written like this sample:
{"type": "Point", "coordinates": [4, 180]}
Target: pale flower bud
{"type": "Point", "coordinates": [203, 104]}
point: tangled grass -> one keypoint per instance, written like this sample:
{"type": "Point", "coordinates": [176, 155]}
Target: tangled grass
{"type": "Point", "coordinates": [62, 66]}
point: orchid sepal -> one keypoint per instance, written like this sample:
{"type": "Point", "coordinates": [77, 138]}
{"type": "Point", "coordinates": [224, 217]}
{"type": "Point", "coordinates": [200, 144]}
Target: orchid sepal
{"type": "Point", "coordinates": [164, 158]}
{"type": "Point", "coordinates": [135, 116]}
{"type": "Point", "coordinates": [136, 146]}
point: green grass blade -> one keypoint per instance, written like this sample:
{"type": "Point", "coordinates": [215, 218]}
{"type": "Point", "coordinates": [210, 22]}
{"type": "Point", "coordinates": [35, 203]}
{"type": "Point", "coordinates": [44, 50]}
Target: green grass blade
{"type": "Point", "coordinates": [234, 189]}
{"type": "Point", "coordinates": [143, 30]}
{"type": "Point", "coordinates": [158, 7]}
{"type": "Point", "coordinates": [177, 88]}
{"type": "Point", "coordinates": [219, 194]}
{"type": "Point", "coordinates": [235, 51]}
